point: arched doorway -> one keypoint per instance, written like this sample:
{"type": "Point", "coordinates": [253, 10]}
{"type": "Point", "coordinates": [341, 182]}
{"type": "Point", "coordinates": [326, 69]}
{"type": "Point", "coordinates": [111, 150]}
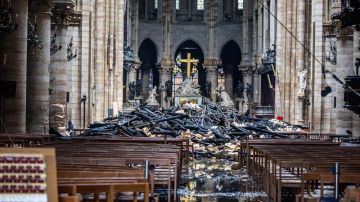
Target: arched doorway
{"type": "Point", "coordinates": [148, 73]}
{"type": "Point", "coordinates": [231, 58]}
{"type": "Point", "coordinates": [197, 71]}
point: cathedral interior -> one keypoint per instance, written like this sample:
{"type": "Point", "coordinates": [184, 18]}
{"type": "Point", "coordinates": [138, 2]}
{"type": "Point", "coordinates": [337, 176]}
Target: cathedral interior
{"type": "Point", "coordinates": [235, 68]}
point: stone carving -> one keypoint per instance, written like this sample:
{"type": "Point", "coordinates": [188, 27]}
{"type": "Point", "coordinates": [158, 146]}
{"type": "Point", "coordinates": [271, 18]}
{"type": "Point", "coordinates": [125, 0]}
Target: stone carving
{"type": "Point", "coordinates": [269, 56]}
{"type": "Point", "coordinates": [168, 88]}
{"type": "Point", "coordinates": [132, 90]}
{"type": "Point", "coordinates": [225, 100]}
{"type": "Point", "coordinates": [188, 88]}
{"type": "Point", "coordinates": [151, 100]}
{"type": "Point", "coordinates": [332, 54]}
{"type": "Point", "coordinates": [302, 74]}
{"type": "Point", "coordinates": [247, 69]}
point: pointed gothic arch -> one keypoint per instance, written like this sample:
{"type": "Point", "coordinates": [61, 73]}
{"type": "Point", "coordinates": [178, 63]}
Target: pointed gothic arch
{"type": "Point", "coordinates": [192, 47]}
{"type": "Point", "coordinates": [148, 73]}
{"type": "Point", "coordinates": [231, 57]}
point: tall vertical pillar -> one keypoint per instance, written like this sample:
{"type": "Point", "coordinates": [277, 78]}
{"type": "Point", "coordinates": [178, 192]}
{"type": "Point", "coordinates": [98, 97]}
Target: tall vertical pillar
{"type": "Point", "coordinates": [248, 80]}
{"type": "Point", "coordinates": [135, 28]}
{"type": "Point", "coordinates": [356, 118]}
{"type": "Point", "coordinates": [100, 58]}
{"type": "Point", "coordinates": [165, 75]}
{"type": "Point", "coordinates": [210, 63]}
{"type": "Point", "coordinates": [167, 62]}
{"type": "Point", "coordinates": [13, 54]}
{"type": "Point", "coordinates": [300, 63]}
{"type": "Point", "coordinates": [38, 62]}
{"type": "Point", "coordinates": [345, 62]}
{"type": "Point", "coordinates": [245, 60]}
{"type": "Point", "coordinates": [211, 76]}
{"type": "Point", "coordinates": [58, 80]}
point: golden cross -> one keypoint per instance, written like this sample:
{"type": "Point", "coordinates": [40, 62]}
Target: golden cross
{"type": "Point", "coordinates": [188, 62]}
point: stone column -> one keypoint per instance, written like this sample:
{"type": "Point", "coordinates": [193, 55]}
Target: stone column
{"type": "Point", "coordinates": [119, 56]}
{"type": "Point", "coordinates": [229, 80]}
{"type": "Point", "coordinates": [345, 62]}
{"type": "Point", "coordinates": [211, 62]}
{"type": "Point", "coordinates": [356, 118]}
{"type": "Point", "coordinates": [211, 22]}
{"type": "Point", "coordinates": [135, 28]}
{"type": "Point", "coordinates": [248, 72]}
{"type": "Point", "coordinates": [211, 76]}
{"type": "Point", "coordinates": [13, 54]}
{"type": "Point", "coordinates": [100, 58]}
{"type": "Point", "coordinates": [38, 71]}
{"type": "Point", "coordinates": [165, 75]}
{"type": "Point", "coordinates": [58, 81]}
{"type": "Point", "coordinates": [131, 78]}
{"type": "Point", "coordinates": [300, 62]}
{"type": "Point", "coordinates": [245, 60]}
{"type": "Point", "coordinates": [167, 61]}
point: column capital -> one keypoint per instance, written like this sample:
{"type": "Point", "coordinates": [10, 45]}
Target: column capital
{"type": "Point", "coordinates": [211, 62]}
{"type": "Point", "coordinates": [135, 66]}
{"type": "Point", "coordinates": [247, 69]}
{"type": "Point", "coordinates": [330, 29]}
{"type": "Point", "coordinates": [64, 13]}
{"type": "Point", "coordinates": [167, 62]}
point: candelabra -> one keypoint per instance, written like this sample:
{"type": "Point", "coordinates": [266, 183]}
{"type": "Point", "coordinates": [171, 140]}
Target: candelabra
{"type": "Point", "coordinates": [70, 54]}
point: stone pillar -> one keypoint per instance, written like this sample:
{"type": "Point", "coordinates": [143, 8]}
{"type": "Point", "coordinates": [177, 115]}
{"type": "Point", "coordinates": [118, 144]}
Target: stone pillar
{"type": "Point", "coordinates": [245, 60]}
{"type": "Point", "coordinates": [135, 28]}
{"type": "Point", "coordinates": [344, 63]}
{"type": "Point", "coordinates": [300, 63]}
{"type": "Point", "coordinates": [229, 80]}
{"type": "Point", "coordinates": [119, 56]}
{"type": "Point", "coordinates": [211, 22]}
{"type": "Point", "coordinates": [99, 69]}
{"type": "Point", "coordinates": [248, 72]}
{"type": "Point", "coordinates": [211, 62]}
{"type": "Point", "coordinates": [165, 75]}
{"type": "Point", "coordinates": [167, 62]}
{"type": "Point", "coordinates": [211, 75]}
{"type": "Point", "coordinates": [38, 72]}
{"type": "Point", "coordinates": [13, 54]}
{"type": "Point", "coordinates": [58, 81]}
{"type": "Point", "coordinates": [131, 77]}
{"type": "Point", "coordinates": [356, 118]}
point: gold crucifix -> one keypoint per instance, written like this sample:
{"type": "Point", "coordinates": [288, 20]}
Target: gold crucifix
{"type": "Point", "coordinates": [188, 62]}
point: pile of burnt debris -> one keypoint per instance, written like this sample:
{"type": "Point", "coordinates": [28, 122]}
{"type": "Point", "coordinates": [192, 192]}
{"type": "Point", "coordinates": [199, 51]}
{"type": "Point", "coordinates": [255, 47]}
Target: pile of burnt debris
{"type": "Point", "coordinates": [205, 124]}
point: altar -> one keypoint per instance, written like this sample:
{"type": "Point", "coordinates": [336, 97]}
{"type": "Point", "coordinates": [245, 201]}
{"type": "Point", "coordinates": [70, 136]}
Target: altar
{"type": "Point", "coordinates": [188, 92]}
{"type": "Point", "coordinates": [179, 100]}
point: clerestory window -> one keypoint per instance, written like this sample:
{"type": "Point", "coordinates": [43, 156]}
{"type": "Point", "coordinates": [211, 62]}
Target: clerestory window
{"type": "Point", "coordinates": [200, 5]}
{"type": "Point", "coordinates": [240, 4]}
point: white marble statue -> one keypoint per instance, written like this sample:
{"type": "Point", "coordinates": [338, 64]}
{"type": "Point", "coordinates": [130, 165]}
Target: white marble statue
{"type": "Point", "coordinates": [151, 100]}
{"type": "Point", "coordinates": [302, 74]}
{"type": "Point", "coordinates": [226, 101]}
{"type": "Point", "coordinates": [188, 88]}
